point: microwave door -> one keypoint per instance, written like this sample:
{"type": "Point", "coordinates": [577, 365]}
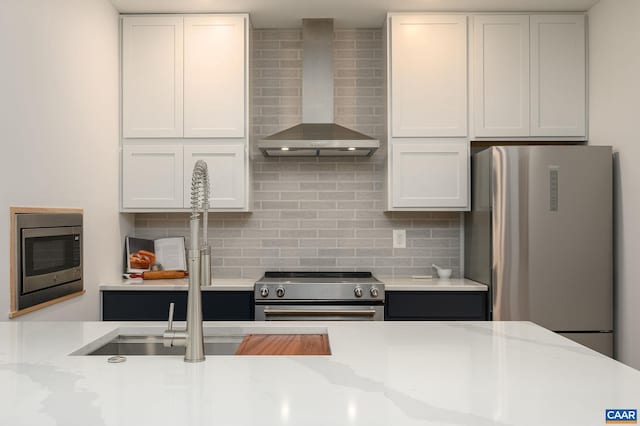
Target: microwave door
{"type": "Point", "coordinates": [50, 257]}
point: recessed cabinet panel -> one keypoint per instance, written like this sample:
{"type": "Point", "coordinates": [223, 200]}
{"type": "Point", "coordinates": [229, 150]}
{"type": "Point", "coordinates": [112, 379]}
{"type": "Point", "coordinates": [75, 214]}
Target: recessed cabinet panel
{"type": "Point", "coordinates": [152, 176]}
{"type": "Point", "coordinates": [435, 306]}
{"type": "Point", "coordinates": [152, 77]}
{"type": "Point", "coordinates": [214, 76]}
{"type": "Point", "coordinates": [558, 75]}
{"type": "Point", "coordinates": [501, 80]}
{"type": "Point", "coordinates": [226, 166]}
{"type": "Point", "coordinates": [529, 76]}
{"type": "Point", "coordinates": [428, 75]}
{"type": "Point", "coordinates": [141, 305]}
{"type": "Point", "coordinates": [428, 174]}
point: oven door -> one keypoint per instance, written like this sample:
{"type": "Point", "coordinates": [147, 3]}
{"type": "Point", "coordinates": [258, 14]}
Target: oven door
{"type": "Point", "coordinates": [50, 257]}
{"type": "Point", "coordinates": [282, 312]}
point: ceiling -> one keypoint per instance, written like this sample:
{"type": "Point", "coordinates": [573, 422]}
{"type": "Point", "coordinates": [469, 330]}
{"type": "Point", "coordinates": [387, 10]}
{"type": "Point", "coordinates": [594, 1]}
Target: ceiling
{"type": "Point", "coordinates": [347, 13]}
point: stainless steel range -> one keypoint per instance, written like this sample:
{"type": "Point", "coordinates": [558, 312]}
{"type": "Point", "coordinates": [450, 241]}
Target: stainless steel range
{"type": "Point", "coordinates": [314, 296]}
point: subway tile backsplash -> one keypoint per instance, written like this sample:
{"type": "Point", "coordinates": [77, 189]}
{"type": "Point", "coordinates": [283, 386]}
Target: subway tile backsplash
{"type": "Point", "coordinates": [318, 213]}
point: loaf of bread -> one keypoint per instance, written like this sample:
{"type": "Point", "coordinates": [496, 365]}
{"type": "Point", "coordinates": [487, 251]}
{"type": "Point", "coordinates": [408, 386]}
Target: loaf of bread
{"type": "Point", "coordinates": [142, 259]}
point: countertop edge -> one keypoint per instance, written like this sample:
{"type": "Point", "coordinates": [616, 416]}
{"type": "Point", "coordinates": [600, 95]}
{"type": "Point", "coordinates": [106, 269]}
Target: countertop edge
{"type": "Point", "coordinates": [180, 284]}
{"type": "Point", "coordinates": [433, 284]}
{"type": "Point", "coordinates": [246, 284]}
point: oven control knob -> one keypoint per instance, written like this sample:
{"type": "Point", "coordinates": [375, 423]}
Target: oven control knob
{"type": "Point", "coordinates": [374, 292]}
{"type": "Point", "coordinates": [280, 291]}
{"type": "Point", "coordinates": [264, 292]}
{"type": "Point", "coordinates": [358, 292]}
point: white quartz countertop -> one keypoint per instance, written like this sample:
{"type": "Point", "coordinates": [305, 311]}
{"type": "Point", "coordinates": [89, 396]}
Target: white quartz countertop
{"type": "Point", "coordinates": [217, 284]}
{"type": "Point", "coordinates": [243, 284]}
{"type": "Point", "coordinates": [379, 374]}
{"type": "Point", "coordinates": [431, 284]}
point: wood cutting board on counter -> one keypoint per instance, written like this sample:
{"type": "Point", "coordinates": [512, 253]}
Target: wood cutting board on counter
{"type": "Point", "coordinates": [284, 344]}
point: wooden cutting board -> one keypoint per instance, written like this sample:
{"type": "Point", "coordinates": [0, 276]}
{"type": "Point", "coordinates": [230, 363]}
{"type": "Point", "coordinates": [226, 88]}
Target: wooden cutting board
{"type": "Point", "coordinates": [284, 344]}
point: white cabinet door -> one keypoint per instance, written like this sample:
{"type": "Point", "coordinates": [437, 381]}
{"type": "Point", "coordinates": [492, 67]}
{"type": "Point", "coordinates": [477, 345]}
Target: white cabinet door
{"type": "Point", "coordinates": [152, 77]}
{"type": "Point", "coordinates": [558, 87]}
{"type": "Point", "coordinates": [152, 176]}
{"type": "Point", "coordinates": [214, 76]}
{"type": "Point", "coordinates": [428, 75]}
{"type": "Point", "coordinates": [501, 75]}
{"type": "Point", "coordinates": [430, 174]}
{"type": "Point", "coordinates": [227, 167]}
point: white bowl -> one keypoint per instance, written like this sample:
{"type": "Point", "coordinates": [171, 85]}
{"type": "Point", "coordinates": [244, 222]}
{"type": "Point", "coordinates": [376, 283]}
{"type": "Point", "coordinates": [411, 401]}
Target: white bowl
{"type": "Point", "coordinates": [444, 273]}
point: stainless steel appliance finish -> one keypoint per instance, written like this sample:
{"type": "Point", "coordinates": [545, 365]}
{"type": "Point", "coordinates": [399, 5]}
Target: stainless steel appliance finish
{"type": "Point", "coordinates": [326, 296]}
{"type": "Point", "coordinates": [49, 256]}
{"type": "Point", "coordinates": [540, 235]}
{"type": "Point", "coordinates": [318, 140]}
{"type": "Point", "coordinates": [193, 337]}
{"type": "Point", "coordinates": [153, 345]}
{"type": "Point", "coordinates": [318, 135]}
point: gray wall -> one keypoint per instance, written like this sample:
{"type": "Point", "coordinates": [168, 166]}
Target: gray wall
{"type": "Point", "coordinates": [319, 214]}
{"type": "Point", "coordinates": [59, 119]}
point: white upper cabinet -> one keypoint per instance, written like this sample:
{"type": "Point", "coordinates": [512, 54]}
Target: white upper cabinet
{"type": "Point", "coordinates": [152, 77]}
{"type": "Point", "coordinates": [529, 76]}
{"type": "Point", "coordinates": [227, 179]}
{"type": "Point", "coordinates": [430, 175]}
{"type": "Point", "coordinates": [158, 177]}
{"type": "Point", "coordinates": [428, 75]}
{"type": "Point", "coordinates": [191, 68]}
{"type": "Point", "coordinates": [214, 76]}
{"type": "Point", "coordinates": [428, 159]}
{"type": "Point", "coordinates": [152, 176]}
{"type": "Point", "coordinates": [558, 98]}
{"type": "Point", "coordinates": [184, 77]}
{"type": "Point", "coordinates": [501, 78]}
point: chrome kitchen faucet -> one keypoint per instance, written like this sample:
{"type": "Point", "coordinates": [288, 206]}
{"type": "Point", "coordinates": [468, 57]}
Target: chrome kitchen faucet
{"type": "Point", "coordinates": [199, 271]}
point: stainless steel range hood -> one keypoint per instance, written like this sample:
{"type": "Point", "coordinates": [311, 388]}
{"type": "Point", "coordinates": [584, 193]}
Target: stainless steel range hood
{"type": "Point", "coordinates": [318, 135]}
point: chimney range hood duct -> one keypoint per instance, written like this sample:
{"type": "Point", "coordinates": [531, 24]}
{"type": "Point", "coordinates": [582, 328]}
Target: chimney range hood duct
{"type": "Point", "coordinates": [318, 135]}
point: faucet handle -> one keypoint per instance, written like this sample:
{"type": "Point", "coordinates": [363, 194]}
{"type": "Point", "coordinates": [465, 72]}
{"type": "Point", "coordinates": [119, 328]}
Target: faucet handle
{"type": "Point", "coordinates": [173, 337]}
{"type": "Point", "coordinates": [171, 309]}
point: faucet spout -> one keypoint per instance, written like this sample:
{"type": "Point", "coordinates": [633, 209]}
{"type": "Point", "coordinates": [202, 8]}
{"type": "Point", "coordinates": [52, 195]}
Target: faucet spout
{"type": "Point", "coordinates": [193, 336]}
{"type": "Point", "coordinates": [195, 333]}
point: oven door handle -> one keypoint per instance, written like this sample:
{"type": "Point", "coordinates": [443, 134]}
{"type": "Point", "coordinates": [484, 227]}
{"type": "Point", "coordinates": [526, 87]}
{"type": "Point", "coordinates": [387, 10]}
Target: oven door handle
{"type": "Point", "coordinates": [321, 312]}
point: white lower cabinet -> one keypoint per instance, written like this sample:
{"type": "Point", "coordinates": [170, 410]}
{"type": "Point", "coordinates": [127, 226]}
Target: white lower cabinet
{"type": "Point", "coordinates": [158, 177]}
{"type": "Point", "coordinates": [226, 166]}
{"type": "Point", "coordinates": [429, 174]}
{"type": "Point", "coordinates": [152, 176]}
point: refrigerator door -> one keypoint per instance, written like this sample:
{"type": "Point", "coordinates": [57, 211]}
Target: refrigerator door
{"type": "Point", "coordinates": [552, 236]}
{"type": "Point", "coordinates": [477, 221]}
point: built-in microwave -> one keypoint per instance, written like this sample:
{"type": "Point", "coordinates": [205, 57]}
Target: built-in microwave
{"type": "Point", "coordinates": [49, 256]}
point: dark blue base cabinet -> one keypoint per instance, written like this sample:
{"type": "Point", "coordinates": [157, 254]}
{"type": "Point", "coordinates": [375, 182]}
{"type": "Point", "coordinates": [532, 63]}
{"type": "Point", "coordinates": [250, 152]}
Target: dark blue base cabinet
{"type": "Point", "coordinates": [435, 306]}
{"type": "Point", "coordinates": [154, 305]}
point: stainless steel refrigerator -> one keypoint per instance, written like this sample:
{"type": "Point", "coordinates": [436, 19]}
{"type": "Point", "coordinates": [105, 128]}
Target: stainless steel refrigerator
{"type": "Point", "coordinates": [540, 236]}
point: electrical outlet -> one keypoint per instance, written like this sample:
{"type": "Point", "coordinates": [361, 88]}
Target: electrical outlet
{"type": "Point", "coordinates": [399, 238]}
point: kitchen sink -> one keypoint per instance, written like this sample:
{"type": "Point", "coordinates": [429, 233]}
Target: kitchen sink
{"type": "Point", "coordinates": [218, 340]}
{"type": "Point", "coordinates": [152, 345]}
